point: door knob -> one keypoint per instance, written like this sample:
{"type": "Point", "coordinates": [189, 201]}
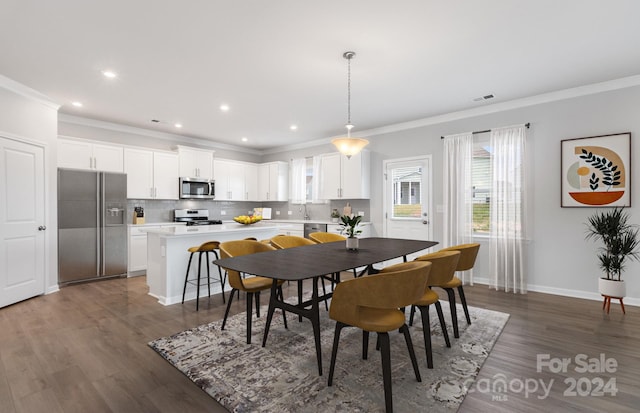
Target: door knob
{"type": "Point", "coordinates": [42, 228]}
{"type": "Point", "coordinates": [425, 222]}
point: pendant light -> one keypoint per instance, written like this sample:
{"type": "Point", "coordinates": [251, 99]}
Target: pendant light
{"type": "Point", "coordinates": [347, 145]}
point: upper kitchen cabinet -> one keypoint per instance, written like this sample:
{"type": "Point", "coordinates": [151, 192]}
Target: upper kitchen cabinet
{"type": "Point", "coordinates": [195, 163]}
{"type": "Point", "coordinates": [79, 154]}
{"type": "Point", "coordinates": [344, 178]}
{"type": "Point", "coordinates": [273, 181]}
{"type": "Point", "coordinates": [151, 174]}
{"type": "Point", "coordinates": [235, 181]}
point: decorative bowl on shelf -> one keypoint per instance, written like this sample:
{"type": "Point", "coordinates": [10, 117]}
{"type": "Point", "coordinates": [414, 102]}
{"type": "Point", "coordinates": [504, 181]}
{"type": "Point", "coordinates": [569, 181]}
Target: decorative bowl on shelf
{"type": "Point", "coordinates": [247, 220]}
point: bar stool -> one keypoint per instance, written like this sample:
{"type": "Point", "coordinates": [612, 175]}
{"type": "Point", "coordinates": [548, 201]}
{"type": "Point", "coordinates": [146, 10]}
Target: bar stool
{"type": "Point", "coordinates": [206, 248]}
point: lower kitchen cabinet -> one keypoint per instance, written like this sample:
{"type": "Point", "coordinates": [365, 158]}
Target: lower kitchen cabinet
{"type": "Point", "coordinates": [138, 248]}
{"type": "Point", "coordinates": [294, 229]}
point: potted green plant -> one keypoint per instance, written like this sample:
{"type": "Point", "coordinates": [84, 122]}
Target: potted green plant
{"type": "Point", "coordinates": [349, 227]}
{"type": "Point", "coordinates": [620, 241]}
{"type": "Point", "coordinates": [335, 215]}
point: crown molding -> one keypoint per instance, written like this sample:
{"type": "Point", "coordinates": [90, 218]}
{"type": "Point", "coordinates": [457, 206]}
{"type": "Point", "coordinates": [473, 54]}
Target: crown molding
{"type": "Point", "coordinates": [27, 92]}
{"type": "Point", "coordinates": [570, 93]}
{"type": "Point", "coordinates": [170, 137]}
{"type": "Point", "coordinates": [564, 94]}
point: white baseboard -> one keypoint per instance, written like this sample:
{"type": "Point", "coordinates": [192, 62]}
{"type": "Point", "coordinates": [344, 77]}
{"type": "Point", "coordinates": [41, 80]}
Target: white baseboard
{"type": "Point", "coordinates": [587, 295]}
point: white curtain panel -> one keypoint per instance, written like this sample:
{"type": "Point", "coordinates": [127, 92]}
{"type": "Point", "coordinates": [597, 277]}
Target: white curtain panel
{"type": "Point", "coordinates": [298, 181]}
{"type": "Point", "coordinates": [317, 181]}
{"type": "Point", "coordinates": [507, 226]}
{"type": "Point", "coordinates": [458, 193]}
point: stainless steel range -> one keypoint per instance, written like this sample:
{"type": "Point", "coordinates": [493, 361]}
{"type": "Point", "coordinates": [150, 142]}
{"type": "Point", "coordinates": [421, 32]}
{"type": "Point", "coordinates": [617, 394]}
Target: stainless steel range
{"type": "Point", "coordinates": [194, 217]}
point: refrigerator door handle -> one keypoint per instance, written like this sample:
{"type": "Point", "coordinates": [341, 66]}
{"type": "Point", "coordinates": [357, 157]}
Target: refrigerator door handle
{"type": "Point", "coordinates": [103, 222]}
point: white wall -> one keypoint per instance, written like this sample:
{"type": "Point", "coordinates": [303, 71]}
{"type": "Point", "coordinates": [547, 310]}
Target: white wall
{"type": "Point", "coordinates": [28, 116]}
{"type": "Point", "coordinates": [560, 260]}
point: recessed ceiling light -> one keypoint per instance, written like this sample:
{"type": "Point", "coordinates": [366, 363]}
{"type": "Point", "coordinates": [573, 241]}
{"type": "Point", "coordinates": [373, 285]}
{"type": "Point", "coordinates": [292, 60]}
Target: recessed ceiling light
{"type": "Point", "coordinates": [77, 104]}
{"type": "Point", "coordinates": [110, 74]}
{"type": "Point", "coordinates": [224, 107]}
{"type": "Point", "coordinates": [178, 125]}
{"type": "Point", "coordinates": [244, 139]}
{"type": "Point", "coordinates": [293, 127]}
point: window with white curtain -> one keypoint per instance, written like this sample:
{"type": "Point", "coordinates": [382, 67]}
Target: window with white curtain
{"type": "Point", "coordinates": [481, 181]}
{"type": "Point", "coordinates": [305, 180]}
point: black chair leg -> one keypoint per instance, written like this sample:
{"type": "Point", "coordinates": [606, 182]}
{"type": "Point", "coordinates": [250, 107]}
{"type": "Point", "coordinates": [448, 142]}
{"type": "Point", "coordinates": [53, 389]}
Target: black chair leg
{"type": "Point", "coordinates": [426, 330]}
{"type": "Point", "coordinates": [463, 301]}
{"type": "Point", "coordinates": [299, 298]}
{"type": "Point", "coordinates": [454, 313]}
{"type": "Point", "coordinates": [208, 273]}
{"type": "Point", "coordinates": [413, 310]}
{"type": "Point", "coordinates": [198, 285]}
{"type": "Point", "coordinates": [226, 313]}
{"type": "Point", "coordinates": [334, 351]}
{"type": "Point", "coordinates": [186, 278]}
{"type": "Point", "coordinates": [249, 315]}
{"type": "Point", "coordinates": [324, 292]}
{"type": "Point", "coordinates": [365, 344]}
{"type": "Point", "coordinates": [445, 334]}
{"type": "Point", "coordinates": [385, 353]}
{"type": "Point", "coordinates": [412, 354]}
{"type": "Point", "coordinates": [222, 279]}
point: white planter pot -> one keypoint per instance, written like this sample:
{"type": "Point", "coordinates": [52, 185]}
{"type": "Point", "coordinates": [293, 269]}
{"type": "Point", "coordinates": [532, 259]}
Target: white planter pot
{"type": "Point", "coordinates": [352, 244]}
{"type": "Point", "coordinates": [610, 288]}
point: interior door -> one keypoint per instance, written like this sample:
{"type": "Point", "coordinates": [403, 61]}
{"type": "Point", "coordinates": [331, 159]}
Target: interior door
{"type": "Point", "coordinates": [22, 221]}
{"type": "Point", "coordinates": [407, 199]}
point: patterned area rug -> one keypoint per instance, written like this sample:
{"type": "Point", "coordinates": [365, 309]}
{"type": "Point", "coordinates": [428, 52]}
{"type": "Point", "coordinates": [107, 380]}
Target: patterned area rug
{"type": "Point", "coordinates": [283, 376]}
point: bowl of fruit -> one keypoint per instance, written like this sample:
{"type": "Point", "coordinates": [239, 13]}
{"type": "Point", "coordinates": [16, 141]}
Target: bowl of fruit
{"type": "Point", "coordinates": [247, 219]}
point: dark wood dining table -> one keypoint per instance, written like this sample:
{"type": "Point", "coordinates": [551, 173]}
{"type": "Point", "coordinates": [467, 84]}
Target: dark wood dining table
{"type": "Point", "coordinates": [313, 262]}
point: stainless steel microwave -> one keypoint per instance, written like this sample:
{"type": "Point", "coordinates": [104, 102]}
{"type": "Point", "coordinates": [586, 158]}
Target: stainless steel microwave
{"type": "Point", "coordinates": [197, 188]}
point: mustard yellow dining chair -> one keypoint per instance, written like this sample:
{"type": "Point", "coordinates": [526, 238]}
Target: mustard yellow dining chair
{"type": "Point", "coordinates": [250, 285]}
{"type": "Point", "coordinates": [292, 241]}
{"type": "Point", "coordinates": [443, 266]}
{"type": "Point", "coordinates": [468, 255]}
{"type": "Point", "coordinates": [373, 305]}
{"type": "Point", "coordinates": [323, 238]}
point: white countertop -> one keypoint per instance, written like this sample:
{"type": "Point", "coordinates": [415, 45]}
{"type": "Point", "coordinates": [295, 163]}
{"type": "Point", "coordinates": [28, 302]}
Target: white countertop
{"type": "Point", "coordinates": [179, 231]}
{"type": "Point", "coordinates": [309, 221]}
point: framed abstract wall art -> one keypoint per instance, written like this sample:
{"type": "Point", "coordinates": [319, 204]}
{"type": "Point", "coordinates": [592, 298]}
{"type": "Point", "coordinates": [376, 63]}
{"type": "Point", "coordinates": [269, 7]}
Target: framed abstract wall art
{"type": "Point", "coordinates": [596, 171]}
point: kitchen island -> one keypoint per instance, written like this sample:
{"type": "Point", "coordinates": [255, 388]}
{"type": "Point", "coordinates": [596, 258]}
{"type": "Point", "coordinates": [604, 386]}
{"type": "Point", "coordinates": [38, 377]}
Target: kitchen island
{"type": "Point", "coordinates": [168, 255]}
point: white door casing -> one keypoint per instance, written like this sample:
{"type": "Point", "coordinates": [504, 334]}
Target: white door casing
{"type": "Point", "coordinates": [398, 221]}
{"type": "Point", "coordinates": [22, 221]}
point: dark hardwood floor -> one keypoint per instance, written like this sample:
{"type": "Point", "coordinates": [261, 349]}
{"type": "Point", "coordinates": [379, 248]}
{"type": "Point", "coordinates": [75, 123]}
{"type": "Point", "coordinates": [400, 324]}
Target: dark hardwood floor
{"type": "Point", "coordinates": [84, 349]}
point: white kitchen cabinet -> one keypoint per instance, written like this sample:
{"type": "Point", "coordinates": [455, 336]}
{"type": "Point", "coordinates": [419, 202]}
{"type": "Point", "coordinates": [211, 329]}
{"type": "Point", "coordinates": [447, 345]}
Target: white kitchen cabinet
{"type": "Point", "coordinates": [80, 154]}
{"type": "Point", "coordinates": [251, 182]}
{"type": "Point", "coordinates": [293, 229]}
{"type": "Point", "coordinates": [235, 181]}
{"type": "Point", "coordinates": [344, 178]}
{"type": "Point", "coordinates": [195, 163]}
{"type": "Point", "coordinates": [151, 174]}
{"type": "Point", "coordinates": [273, 181]}
{"type": "Point", "coordinates": [138, 247]}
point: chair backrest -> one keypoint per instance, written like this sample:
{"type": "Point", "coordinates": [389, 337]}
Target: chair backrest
{"type": "Point", "coordinates": [237, 248]}
{"type": "Point", "coordinates": [209, 246]}
{"type": "Point", "coordinates": [468, 254]}
{"type": "Point", "coordinates": [443, 266]}
{"type": "Point", "coordinates": [323, 237]}
{"type": "Point", "coordinates": [394, 287]}
{"type": "Point", "coordinates": [290, 241]}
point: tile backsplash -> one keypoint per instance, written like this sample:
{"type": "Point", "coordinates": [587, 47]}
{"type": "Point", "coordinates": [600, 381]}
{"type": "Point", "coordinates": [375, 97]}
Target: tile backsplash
{"type": "Point", "coordinates": [162, 210]}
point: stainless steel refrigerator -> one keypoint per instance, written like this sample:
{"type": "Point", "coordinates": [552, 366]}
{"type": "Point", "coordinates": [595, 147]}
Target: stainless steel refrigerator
{"type": "Point", "coordinates": [92, 234]}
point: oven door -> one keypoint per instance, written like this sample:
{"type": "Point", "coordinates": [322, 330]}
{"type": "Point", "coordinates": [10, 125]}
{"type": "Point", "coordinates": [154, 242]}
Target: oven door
{"type": "Point", "coordinates": [193, 188]}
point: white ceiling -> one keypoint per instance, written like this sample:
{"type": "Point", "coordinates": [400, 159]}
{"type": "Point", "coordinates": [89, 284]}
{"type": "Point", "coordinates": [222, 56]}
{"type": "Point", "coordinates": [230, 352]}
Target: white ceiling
{"type": "Point", "coordinates": [279, 62]}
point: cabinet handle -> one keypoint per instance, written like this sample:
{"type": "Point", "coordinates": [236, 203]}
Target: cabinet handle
{"type": "Point", "coordinates": [95, 163]}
